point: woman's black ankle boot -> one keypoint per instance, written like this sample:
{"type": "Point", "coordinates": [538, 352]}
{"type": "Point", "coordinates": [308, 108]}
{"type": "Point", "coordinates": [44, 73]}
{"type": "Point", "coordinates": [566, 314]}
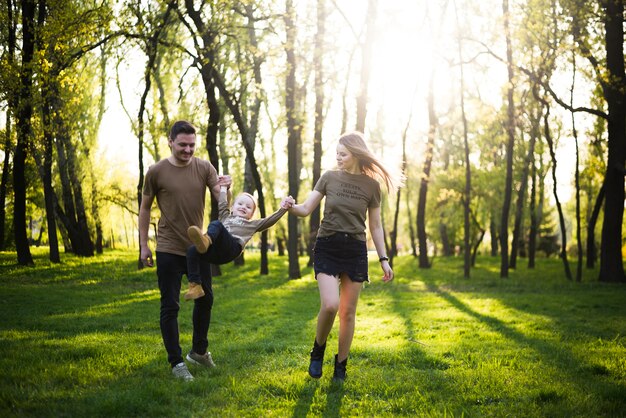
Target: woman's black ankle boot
{"type": "Point", "coordinates": [340, 370]}
{"type": "Point", "coordinates": [317, 358]}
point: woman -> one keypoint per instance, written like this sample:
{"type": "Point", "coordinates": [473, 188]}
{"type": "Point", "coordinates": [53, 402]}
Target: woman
{"type": "Point", "coordinates": [340, 255]}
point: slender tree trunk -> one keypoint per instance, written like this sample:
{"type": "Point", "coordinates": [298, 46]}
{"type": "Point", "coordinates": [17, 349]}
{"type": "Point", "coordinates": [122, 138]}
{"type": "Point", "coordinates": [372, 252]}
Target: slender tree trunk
{"type": "Point", "coordinates": [532, 234]}
{"type": "Point", "coordinates": [293, 138]}
{"type": "Point", "coordinates": [320, 48]}
{"type": "Point", "coordinates": [412, 237]}
{"type": "Point", "coordinates": [254, 112]}
{"type": "Point", "coordinates": [579, 244]}
{"type": "Point", "coordinates": [591, 229]}
{"type": "Point", "coordinates": [493, 231]}
{"type": "Point", "coordinates": [479, 240]}
{"type": "Point", "coordinates": [48, 190]}
{"type": "Point", "coordinates": [510, 129]}
{"type": "Point", "coordinates": [467, 262]}
{"type": "Point", "coordinates": [548, 136]}
{"type": "Point", "coordinates": [213, 129]}
{"type": "Point", "coordinates": [394, 232]}
{"type": "Point", "coordinates": [6, 166]}
{"type": "Point", "coordinates": [446, 246]}
{"type": "Point", "coordinates": [423, 190]}
{"type": "Point", "coordinates": [95, 207]}
{"type": "Point", "coordinates": [366, 58]}
{"type": "Point", "coordinates": [151, 51]}
{"type": "Point", "coordinates": [521, 201]}
{"type": "Point", "coordinates": [84, 246]}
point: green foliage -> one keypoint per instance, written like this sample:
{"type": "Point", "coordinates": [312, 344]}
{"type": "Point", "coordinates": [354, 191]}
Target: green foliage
{"type": "Point", "coordinates": [82, 339]}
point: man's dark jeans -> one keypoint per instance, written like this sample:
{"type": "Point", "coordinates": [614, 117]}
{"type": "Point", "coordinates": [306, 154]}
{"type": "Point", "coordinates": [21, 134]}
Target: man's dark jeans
{"type": "Point", "coordinates": [170, 269]}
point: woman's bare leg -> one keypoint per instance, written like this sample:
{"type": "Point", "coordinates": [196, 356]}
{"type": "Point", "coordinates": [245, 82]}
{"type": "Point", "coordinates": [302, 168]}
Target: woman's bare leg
{"type": "Point", "coordinates": [349, 298]}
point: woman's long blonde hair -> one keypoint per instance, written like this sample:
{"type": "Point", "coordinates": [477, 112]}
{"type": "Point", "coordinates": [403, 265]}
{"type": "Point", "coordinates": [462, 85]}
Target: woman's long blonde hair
{"type": "Point", "coordinates": [370, 164]}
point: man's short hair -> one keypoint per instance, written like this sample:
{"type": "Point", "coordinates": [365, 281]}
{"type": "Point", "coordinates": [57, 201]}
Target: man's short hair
{"type": "Point", "coordinates": [181, 127]}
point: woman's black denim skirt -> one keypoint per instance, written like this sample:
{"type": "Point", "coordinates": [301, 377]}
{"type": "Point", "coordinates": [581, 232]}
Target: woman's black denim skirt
{"type": "Point", "coordinates": [341, 253]}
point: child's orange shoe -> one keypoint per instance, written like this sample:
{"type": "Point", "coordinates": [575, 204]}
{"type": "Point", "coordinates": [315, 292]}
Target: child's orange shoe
{"type": "Point", "coordinates": [201, 240]}
{"type": "Point", "coordinates": [195, 291]}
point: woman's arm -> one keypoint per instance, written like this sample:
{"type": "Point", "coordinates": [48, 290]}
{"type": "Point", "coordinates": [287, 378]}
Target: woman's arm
{"type": "Point", "coordinates": [306, 207]}
{"type": "Point", "coordinates": [376, 230]}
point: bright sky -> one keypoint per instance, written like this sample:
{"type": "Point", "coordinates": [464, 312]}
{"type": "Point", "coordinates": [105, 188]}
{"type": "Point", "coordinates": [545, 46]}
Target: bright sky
{"type": "Point", "coordinates": [406, 51]}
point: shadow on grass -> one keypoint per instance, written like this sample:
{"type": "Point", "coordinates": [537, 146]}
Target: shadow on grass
{"type": "Point", "coordinates": [560, 356]}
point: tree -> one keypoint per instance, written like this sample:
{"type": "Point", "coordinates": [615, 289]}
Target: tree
{"type": "Point", "coordinates": [294, 127]}
{"type": "Point", "coordinates": [320, 46]}
{"type": "Point", "coordinates": [510, 129]}
{"type": "Point", "coordinates": [24, 108]}
{"type": "Point", "coordinates": [366, 57]}
{"type": "Point", "coordinates": [468, 172]}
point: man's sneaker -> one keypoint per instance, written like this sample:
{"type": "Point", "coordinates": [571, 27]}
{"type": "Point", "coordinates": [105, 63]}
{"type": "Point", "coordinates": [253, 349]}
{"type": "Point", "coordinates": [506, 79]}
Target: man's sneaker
{"type": "Point", "coordinates": [182, 372]}
{"type": "Point", "coordinates": [201, 240]}
{"type": "Point", "coordinates": [195, 291]}
{"type": "Point", "coordinates": [202, 360]}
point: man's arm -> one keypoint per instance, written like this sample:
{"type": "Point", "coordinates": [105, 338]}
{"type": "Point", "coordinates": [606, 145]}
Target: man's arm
{"type": "Point", "coordinates": [144, 224]}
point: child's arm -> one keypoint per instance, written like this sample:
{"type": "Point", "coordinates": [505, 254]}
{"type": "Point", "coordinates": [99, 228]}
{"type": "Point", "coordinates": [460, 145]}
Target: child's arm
{"type": "Point", "coordinates": [222, 204]}
{"type": "Point", "coordinates": [265, 223]}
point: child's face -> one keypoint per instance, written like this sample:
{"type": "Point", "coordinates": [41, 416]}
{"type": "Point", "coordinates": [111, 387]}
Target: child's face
{"type": "Point", "coordinates": [243, 206]}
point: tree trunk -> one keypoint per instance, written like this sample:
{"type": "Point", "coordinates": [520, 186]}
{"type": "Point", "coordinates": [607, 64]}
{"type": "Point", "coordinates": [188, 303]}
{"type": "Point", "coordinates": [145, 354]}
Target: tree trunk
{"type": "Point", "coordinates": [412, 237]}
{"type": "Point", "coordinates": [320, 48]}
{"type": "Point", "coordinates": [493, 231]}
{"type": "Point", "coordinates": [84, 243]}
{"type": "Point", "coordinates": [213, 129]}
{"type": "Point", "coordinates": [366, 58]}
{"type": "Point", "coordinates": [394, 232]}
{"type": "Point", "coordinates": [45, 165]}
{"type": "Point", "coordinates": [534, 226]}
{"type": "Point", "coordinates": [8, 142]}
{"type": "Point", "coordinates": [591, 229]}
{"type": "Point", "coordinates": [611, 263]}
{"type": "Point", "coordinates": [510, 130]}
{"type": "Point", "coordinates": [423, 190]}
{"type": "Point", "coordinates": [521, 200]}
{"type": "Point", "coordinates": [467, 260]}
{"type": "Point", "coordinates": [548, 136]}
{"type": "Point", "coordinates": [446, 246]}
{"type": "Point", "coordinates": [579, 245]}
{"type": "Point", "coordinates": [6, 166]}
{"type": "Point", "coordinates": [151, 52]}
{"type": "Point", "coordinates": [23, 126]}
{"type": "Point", "coordinates": [293, 138]}
{"type": "Point", "coordinates": [254, 111]}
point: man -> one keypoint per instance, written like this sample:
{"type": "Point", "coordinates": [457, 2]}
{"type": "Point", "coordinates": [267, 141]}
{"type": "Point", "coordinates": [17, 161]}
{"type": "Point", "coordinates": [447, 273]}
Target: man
{"type": "Point", "coordinates": [179, 185]}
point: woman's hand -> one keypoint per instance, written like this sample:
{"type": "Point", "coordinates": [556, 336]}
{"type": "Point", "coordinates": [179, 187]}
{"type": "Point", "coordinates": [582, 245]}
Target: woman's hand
{"type": "Point", "coordinates": [388, 272]}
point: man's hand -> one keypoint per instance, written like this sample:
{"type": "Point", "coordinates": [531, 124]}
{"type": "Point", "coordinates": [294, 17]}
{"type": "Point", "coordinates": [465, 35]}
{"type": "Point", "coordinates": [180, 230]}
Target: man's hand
{"type": "Point", "coordinates": [224, 181]}
{"type": "Point", "coordinates": [146, 257]}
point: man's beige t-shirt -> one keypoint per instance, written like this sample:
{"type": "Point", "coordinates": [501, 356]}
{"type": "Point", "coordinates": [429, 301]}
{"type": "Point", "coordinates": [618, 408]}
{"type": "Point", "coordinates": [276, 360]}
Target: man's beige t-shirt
{"type": "Point", "coordinates": [348, 197]}
{"type": "Point", "coordinates": [180, 193]}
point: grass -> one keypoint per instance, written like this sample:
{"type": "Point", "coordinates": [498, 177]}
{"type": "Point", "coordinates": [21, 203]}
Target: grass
{"type": "Point", "coordinates": [82, 339]}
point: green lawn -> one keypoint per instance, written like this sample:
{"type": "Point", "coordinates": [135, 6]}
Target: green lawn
{"type": "Point", "coordinates": [82, 339]}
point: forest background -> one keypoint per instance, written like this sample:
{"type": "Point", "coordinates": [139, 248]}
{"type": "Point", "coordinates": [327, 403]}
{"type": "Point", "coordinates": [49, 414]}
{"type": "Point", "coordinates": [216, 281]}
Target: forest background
{"type": "Point", "coordinates": [507, 119]}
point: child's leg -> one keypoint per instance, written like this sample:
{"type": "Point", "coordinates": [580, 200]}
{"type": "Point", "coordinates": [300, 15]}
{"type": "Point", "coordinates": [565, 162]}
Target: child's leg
{"type": "Point", "coordinates": [224, 247]}
{"type": "Point", "coordinates": [200, 240]}
{"type": "Point", "coordinates": [195, 268]}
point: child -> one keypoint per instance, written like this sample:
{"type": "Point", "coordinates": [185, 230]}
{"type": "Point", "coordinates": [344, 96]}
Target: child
{"type": "Point", "coordinates": [225, 238]}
